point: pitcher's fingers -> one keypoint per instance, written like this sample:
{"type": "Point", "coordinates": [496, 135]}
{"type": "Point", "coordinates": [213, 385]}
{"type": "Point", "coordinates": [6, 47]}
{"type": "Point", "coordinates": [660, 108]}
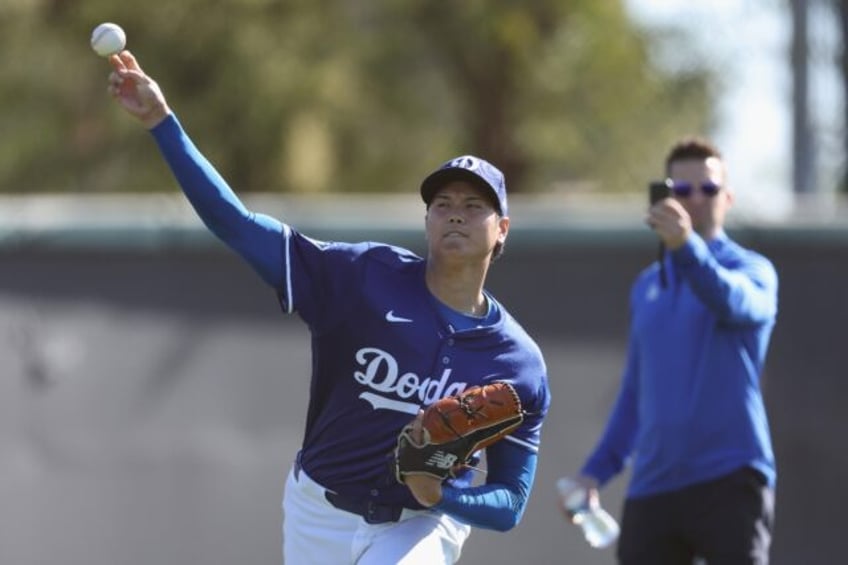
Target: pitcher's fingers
{"type": "Point", "coordinates": [129, 60]}
{"type": "Point", "coordinates": [115, 78]}
{"type": "Point", "coordinates": [116, 62]}
{"type": "Point", "coordinates": [137, 77]}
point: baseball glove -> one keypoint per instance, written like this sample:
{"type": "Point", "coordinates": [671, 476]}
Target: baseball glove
{"type": "Point", "coordinates": [455, 427]}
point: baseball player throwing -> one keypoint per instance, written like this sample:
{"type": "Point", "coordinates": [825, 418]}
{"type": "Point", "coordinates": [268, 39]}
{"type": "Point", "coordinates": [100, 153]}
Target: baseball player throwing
{"type": "Point", "coordinates": [392, 333]}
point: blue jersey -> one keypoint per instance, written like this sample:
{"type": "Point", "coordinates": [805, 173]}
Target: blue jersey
{"type": "Point", "coordinates": [382, 348]}
{"type": "Point", "coordinates": [381, 351]}
{"type": "Point", "coordinates": [690, 408]}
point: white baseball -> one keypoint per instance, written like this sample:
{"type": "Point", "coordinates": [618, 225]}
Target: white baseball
{"type": "Point", "coordinates": [108, 39]}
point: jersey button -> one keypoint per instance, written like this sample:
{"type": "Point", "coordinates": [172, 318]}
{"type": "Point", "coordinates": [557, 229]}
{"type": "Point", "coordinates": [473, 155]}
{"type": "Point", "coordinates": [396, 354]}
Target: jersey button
{"type": "Point", "coordinates": [374, 492]}
{"type": "Point", "coordinates": [445, 360]}
{"type": "Point", "coordinates": [451, 342]}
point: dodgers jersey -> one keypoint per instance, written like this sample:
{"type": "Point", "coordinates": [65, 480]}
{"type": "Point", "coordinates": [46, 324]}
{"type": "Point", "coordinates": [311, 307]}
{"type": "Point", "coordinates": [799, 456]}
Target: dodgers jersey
{"type": "Point", "coordinates": [381, 351]}
{"type": "Point", "coordinates": [381, 347]}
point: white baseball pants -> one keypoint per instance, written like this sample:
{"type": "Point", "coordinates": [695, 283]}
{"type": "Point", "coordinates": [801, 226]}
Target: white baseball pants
{"type": "Point", "coordinates": [317, 533]}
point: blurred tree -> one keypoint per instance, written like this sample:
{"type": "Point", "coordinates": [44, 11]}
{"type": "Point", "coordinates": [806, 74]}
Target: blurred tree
{"type": "Point", "coordinates": [347, 95]}
{"type": "Point", "coordinates": [556, 91]}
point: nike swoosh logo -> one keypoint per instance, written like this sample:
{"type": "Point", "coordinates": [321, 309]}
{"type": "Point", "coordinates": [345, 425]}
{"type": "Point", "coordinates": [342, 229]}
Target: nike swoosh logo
{"type": "Point", "coordinates": [390, 317]}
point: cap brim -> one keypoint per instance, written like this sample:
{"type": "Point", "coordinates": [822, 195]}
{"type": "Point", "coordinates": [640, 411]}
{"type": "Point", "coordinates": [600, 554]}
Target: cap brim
{"type": "Point", "coordinates": [440, 178]}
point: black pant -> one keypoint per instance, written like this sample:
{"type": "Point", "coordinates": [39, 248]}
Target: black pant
{"type": "Point", "coordinates": [726, 521]}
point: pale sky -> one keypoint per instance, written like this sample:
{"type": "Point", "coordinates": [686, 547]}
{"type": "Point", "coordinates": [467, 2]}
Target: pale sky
{"type": "Point", "coordinates": [749, 41]}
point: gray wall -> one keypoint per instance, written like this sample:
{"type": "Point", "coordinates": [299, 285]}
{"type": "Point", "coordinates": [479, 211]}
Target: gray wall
{"type": "Point", "coordinates": [151, 400]}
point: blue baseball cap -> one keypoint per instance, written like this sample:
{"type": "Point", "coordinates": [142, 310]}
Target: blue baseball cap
{"type": "Point", "coordinates": [470, 169]}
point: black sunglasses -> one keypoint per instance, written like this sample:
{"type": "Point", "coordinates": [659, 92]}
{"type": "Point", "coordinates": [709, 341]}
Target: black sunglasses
{"type": "Point", "coordinates": [683, 189]}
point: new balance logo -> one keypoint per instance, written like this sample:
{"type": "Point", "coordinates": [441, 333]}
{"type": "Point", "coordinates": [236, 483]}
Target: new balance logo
{"type": "Point", "coordinates": [391, 317]}
{"type": "Point", "coordinates": [442, 460]}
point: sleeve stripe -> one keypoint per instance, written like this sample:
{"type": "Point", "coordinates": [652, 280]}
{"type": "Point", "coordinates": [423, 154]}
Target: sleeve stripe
{"type": "Point", "coordinates": [531, 446]}
{"type": "Point", "coordinates": [288, 283]}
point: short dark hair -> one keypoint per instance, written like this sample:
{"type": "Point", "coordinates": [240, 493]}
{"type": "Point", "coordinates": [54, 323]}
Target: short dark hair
{"type": "Point", "coordinates": [692, 147]}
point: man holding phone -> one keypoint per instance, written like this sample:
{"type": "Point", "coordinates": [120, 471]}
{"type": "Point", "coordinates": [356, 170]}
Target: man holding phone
{"type": "Point", "coordinates": [690, 410]}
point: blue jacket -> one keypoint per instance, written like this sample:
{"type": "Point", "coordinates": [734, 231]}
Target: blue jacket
{"type": "Point", "coordinates": [690, 407]}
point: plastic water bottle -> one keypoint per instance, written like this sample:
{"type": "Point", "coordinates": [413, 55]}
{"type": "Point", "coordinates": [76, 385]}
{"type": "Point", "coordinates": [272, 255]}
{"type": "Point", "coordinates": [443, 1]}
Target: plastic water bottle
{"type": "Point", "coordinates": [599, 528]}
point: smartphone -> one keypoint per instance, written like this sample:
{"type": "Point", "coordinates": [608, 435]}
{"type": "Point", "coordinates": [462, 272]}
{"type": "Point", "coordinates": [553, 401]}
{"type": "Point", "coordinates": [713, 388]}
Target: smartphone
{"type": "Point", "coordinates": [658, 190]}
